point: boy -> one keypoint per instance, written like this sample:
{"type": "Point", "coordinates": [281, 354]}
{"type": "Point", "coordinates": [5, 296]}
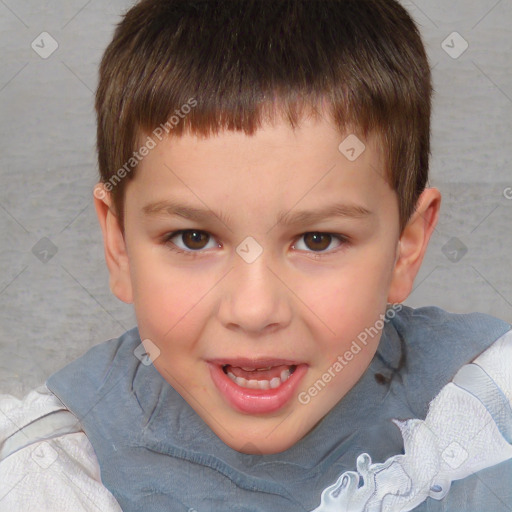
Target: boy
{"type": "Point", "coordinates": [263, 204]}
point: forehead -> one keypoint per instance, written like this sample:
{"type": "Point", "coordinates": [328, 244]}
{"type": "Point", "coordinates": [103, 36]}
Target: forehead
{"type": "Point", "coordinates": [272, 170]}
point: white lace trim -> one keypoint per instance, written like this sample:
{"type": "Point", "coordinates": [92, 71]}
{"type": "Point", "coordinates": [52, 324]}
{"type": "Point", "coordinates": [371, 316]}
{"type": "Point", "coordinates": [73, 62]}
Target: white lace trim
{"type": "Point", "coordinates": [438, 450]}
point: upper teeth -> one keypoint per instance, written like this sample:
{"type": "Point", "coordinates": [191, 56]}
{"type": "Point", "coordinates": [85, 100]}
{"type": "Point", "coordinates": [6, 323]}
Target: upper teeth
{"type": "Point", "coordinates": [260, 384]}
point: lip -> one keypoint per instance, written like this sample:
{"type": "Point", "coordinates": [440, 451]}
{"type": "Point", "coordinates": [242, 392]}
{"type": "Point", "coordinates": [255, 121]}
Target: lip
{"type": "Point", "coordinates": [256, 401]}
{"type": "Point", "coordinates": [256, 363]}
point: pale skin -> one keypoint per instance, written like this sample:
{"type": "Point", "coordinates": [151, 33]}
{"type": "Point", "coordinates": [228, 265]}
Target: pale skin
{"type": "Point", "coordinates": [289, 303]}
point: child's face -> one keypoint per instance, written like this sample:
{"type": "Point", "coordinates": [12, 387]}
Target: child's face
{"type": "Point", "coordinates": [301, 302]}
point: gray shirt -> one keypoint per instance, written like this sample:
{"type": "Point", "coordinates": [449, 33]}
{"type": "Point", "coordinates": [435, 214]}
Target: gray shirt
{"type": "Point", "coordinates": [156, 453]}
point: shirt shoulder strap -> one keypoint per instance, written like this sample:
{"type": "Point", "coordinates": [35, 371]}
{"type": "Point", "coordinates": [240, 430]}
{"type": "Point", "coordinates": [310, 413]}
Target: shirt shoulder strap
{"type": "Point", "coordinates": [49, 426]}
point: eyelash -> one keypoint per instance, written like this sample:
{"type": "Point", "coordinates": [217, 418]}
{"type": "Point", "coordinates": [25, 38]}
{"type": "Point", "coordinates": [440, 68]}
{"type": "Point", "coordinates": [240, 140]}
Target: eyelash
{"type": "Point", "coordinates": [194, 254]}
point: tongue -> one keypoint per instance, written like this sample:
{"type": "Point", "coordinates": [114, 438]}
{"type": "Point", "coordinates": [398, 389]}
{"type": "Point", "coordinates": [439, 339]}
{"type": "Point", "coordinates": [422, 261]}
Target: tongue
{"type": "Point", "coordinates": [275, 371]}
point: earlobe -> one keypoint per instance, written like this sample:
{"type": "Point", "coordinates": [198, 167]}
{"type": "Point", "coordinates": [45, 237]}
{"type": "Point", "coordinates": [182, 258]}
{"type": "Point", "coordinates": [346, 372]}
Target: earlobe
{"type": "Point", "coordinates": [413, 244]}
{"type": "Point", "coordinates": [114, 245]}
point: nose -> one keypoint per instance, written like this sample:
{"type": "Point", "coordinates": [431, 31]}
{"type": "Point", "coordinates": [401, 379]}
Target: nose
{"type": "Point", "coordinates": [254, 299]}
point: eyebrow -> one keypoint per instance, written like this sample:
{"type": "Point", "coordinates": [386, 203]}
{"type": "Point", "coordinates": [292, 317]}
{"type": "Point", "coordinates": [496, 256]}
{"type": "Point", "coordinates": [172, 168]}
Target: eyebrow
{"type": "Point", "coordinates": [286, 218]}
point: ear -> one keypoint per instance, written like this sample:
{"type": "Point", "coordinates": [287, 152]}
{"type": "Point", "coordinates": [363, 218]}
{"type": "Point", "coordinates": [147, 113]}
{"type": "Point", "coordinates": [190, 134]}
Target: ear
{"type": "Point", "coordinates": [114, 245]}
{"type": "Point", "coordinates": [413, 244]}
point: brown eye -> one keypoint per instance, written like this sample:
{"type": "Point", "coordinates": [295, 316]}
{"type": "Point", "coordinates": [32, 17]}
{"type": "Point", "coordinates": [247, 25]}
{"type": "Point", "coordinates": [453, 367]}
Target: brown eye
{"type": "Point", "coordinates": [317, 241]}
{"type": "Point", "coordinates": [319, 244]}
{"type": "Point", "coordinates": [189, 242]}
{"type": "Point", "coordinates": [195, 239]}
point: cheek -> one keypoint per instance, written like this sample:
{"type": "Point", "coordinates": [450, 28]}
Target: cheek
{"type": "Point", "coordinates": [170, 302]}
{"type": "Point", "coordinates": [349, 298]}
{"type": "Point", "coordinates": [161, 296]}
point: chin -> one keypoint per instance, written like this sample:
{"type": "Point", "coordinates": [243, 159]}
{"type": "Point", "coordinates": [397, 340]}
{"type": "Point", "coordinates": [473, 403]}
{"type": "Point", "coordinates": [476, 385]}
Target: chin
{"type": "Point", "coordinates": [261, 439]}
{"type": "Point", "coordinates": [257, 446]}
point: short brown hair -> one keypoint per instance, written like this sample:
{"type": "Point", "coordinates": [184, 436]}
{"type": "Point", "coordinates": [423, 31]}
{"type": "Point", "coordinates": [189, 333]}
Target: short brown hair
{"type": "Point", "coordinates": [246, 61]}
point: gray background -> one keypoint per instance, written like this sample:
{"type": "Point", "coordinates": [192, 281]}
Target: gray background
{"type": "Point", "coordinates": [53, 307]}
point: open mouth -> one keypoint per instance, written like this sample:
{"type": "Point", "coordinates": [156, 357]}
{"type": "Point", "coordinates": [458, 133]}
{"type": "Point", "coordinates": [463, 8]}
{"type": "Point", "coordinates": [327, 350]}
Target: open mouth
{"type": "Point", "coordinates": [270, 377]}
{"type": "Point", "coordinates": [257, 387]}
